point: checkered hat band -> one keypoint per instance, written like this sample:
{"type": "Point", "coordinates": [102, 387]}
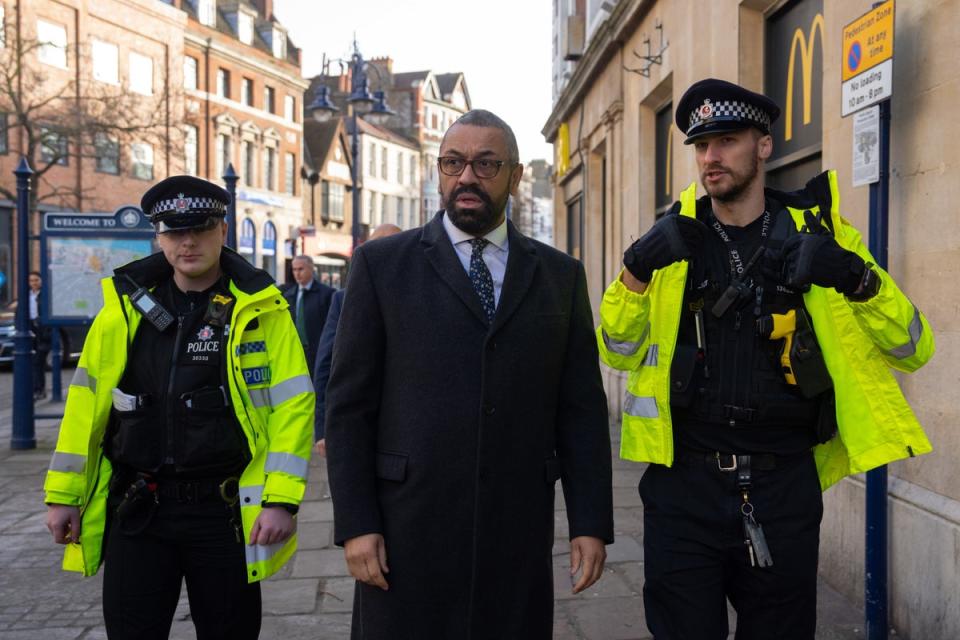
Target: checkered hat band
{"type": "Point", "coordinates": [731, 110]}
{"type": "Point", "coordinates": [189, 205]}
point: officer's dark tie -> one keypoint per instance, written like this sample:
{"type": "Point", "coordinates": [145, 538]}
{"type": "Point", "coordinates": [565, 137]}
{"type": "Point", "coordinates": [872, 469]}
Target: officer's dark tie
{"type": "Point", "coordinates": [480, 277]}
{"type": "Point", "coordinates": [301, 321]}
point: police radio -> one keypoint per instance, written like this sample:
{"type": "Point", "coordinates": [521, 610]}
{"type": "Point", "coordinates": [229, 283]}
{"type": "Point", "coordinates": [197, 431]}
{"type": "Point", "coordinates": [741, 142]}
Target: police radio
{"type": "Point", "coordinates": [149, 307]}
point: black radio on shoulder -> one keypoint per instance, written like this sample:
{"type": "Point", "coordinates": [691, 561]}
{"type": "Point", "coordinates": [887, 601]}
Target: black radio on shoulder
{"type": "Point", "coordinates": [151, 309]}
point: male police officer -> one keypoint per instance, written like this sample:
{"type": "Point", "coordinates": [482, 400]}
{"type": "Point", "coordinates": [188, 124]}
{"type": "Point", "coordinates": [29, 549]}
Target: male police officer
{"type": "Point", "coordinates": [758, 335]}
{"type": "Point", "coordinates": [190, 462]}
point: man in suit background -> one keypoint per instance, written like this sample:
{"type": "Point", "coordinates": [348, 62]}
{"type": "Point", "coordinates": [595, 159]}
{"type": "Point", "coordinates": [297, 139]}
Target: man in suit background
{"type": "Point", "coordinates": [465, 382]}
{"type": "Point", "coordinates": [41, 337]}
{"type": "Point", "coordinates": [321, 369]}
{"type": "Point", "coordinates": [309, 303]}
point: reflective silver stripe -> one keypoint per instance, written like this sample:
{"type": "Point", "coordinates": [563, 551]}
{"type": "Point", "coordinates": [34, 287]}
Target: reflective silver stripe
{"type": "Point", "coordinates": [652, 352]}
{"type": "Point", "coordinates": [260, 553]}
{"type": "Point", "coordinates": [915, 330]}
{"type": "Point", "coordinates": [251, 496]}
{"type": "Point", "coordinates": [280, 393]}
{"type": "Point", "coordinates": [640, 407]}
{"type": "Point", "coordinates": [260, 397]}
{"type": "Point", "coordinates": [624, 347]}
{"type": "Point", "coordinates": [81, 378]}
{"type": "Point", "coordinates": [286, 462]}
{"type": "Point", "coordinates": [67, 462]}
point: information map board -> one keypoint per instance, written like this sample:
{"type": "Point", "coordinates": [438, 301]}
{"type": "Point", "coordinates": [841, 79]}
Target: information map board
{"type": "Point", "coordinates": [79, 250]}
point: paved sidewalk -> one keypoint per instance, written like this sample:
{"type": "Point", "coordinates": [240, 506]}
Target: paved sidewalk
{"type": "Point", "coordinates": [311, 598]}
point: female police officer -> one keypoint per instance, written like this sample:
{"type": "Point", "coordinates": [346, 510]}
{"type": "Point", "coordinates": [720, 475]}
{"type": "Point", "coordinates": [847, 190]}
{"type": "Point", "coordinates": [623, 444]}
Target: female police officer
{"type": "Point", "coordinates": [184, 445]}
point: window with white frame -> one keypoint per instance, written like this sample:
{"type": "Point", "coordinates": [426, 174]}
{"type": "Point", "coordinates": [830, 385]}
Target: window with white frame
{"type": "Point", "coordinates": [413, 170]}
{"type": "Point", "coordinates": [107, 151]}
{"type": "Point", "coordinates": [399, 167]}
{"type": "Point", "coordinates": [269, 168]}
{"type": "Point", "coordinates": [372, 161]}
{"type": "Point", "coordinates": [54, 148]}
{"type": "Point", "coordinates": [190, 142]}
{"type": "Point", "coordinates": [224, 152]}
{"type": "Point", "coordinates": [189, 72]}
{"type": "Point", "coordinates": [384, 162]}
{"type": "Point", "coordinates": [106, 61]}
{"type": "Point", "coordinates": [206, 12]}
{"type": "Point", "coordinates": [414, 221]}
{"type": "Point", "coordinates": [268, 99]}
{"type": "Point", "coordinates": [289, 108]}
{"type": "Point", "coordinates": [245, 27]}
{"type": "Point", "coordinates": [141, 161]}
{"type": "Point", "coordinates": [246, 91]}
{"type": "Point", "coordinates": [52, 40]}
{"type": "Point", "coordinates": [141, 74]}
{"type": "Point", "coordinates": [249, 158]}
{"type": "Point", "coordinates": [279, 43]}
{"type": "Point", "coordinates": [223, 83]}
{"type": "Point", "coordinates": [399, 211]}
{"type": "Point", "coordinates": [332, 200]}
{"type": "Point", "coordinates": [290, 174]}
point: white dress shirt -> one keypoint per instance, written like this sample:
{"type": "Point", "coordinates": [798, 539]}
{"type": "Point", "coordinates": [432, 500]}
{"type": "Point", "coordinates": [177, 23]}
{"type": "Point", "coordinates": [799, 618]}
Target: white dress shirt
{"type": "Point", "coordinates": [494, 254]}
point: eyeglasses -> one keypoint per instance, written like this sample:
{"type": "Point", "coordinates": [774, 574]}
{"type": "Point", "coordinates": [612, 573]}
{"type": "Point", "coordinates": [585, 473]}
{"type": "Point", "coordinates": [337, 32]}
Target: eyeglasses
{"type": "Point", "coordinates": [482, 167]}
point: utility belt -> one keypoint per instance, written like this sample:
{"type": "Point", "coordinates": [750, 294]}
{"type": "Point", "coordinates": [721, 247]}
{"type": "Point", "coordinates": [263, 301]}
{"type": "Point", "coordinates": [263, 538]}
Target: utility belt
{"type": "Point", "coordinates": [730, 462]}
{"type": "Point", "coordinates": [136, 497]}
{"type": "Point", "coordinates": [197, 491]}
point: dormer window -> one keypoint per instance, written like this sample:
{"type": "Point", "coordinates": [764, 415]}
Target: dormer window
{"type": "Point", "coordinates": [206, 12]}
{"type": "Point", "coordinates": [245, 27]}
{"type": "Point", "coordinates": [279, 43]}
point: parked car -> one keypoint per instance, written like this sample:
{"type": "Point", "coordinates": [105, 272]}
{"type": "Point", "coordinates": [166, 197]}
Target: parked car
{"type": "Point", "coordinates": [71, 338]}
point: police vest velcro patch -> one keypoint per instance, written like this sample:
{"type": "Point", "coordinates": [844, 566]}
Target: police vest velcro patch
{"type": "Point", "coordinates": [256, 375]}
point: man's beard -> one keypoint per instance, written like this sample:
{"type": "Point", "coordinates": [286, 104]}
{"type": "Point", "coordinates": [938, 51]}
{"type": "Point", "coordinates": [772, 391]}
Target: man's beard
{"type": "Point", "coordinates": [476, 222]}
{"type": "Point", "coordinates": [739, 184]}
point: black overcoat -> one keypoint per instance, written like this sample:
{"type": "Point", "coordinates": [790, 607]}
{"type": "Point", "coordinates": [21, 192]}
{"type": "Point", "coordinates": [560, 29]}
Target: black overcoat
{"type": "Point", "coordinates": [447, 435]}
{"type": "Point", "coordinates": [316, 304]}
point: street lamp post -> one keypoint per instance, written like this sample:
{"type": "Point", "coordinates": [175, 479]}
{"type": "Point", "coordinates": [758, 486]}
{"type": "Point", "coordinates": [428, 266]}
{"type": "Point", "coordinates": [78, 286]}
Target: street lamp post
{"type": "Point", "coordinates": [364, 105]}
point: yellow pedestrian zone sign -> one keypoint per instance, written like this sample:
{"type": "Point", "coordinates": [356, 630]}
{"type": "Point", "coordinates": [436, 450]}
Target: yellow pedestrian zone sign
{"type": "Point", "coordinates": [868, 40]}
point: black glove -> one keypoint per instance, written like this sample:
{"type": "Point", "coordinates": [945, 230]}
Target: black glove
{"type": "Point", "coordinates": [672, 238]}
{"type": "Point", "coordinates": [816, 258]}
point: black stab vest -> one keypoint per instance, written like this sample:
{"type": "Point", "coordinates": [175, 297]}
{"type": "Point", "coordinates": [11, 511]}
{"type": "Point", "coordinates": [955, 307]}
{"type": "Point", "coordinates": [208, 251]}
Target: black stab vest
{"type": "Point", "coordinates": [736, 382]}
{"type": "Point", "coordinates": [185, 427]}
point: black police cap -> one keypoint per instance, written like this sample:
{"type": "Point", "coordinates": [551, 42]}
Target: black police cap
{"type": "Point", "coordinates": [717, 106]}
{"type": "Point", "coordinates": [184, 202]}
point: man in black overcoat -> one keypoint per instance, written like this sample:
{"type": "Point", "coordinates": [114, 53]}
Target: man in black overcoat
{"type": "Point", "coordinates": [309, 303]}
{"type": "Point", "coordinates": [465, 383]}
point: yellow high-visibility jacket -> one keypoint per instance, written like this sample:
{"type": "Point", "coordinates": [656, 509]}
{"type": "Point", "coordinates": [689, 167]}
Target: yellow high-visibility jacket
{"type": "Point", "coordinates": [861, 341]}
{"type": "Point", "coordinates": [276, 415]}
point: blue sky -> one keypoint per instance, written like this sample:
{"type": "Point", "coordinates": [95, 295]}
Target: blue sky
{"type": "Point", "coordinates": [503, 47]}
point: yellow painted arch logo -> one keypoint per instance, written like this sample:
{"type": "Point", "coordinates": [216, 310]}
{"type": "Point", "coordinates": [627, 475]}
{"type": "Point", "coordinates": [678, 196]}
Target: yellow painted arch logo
{"type": "Point", "coordinates": [805, 43]}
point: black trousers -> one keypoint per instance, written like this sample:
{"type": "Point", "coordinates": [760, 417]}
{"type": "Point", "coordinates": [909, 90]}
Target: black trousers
{"type": "Point", "coordinates": [695, 558]}
{"type": "Point", "coordinates": [143, 573]}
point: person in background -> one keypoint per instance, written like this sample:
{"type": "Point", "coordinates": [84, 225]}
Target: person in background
{"type": "Point", "coordinates": [41, 336]}
{"type": "Point", "coordinates": [309, 301]}
{"type": "Point", "coordinates": [321, 371]}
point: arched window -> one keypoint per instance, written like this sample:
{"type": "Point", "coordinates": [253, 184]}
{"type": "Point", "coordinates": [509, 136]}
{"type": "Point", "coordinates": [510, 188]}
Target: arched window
{"type": "Point", "coordinates": [268, 249]}
{"type": "Point", "coordinates": [247, 243]}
